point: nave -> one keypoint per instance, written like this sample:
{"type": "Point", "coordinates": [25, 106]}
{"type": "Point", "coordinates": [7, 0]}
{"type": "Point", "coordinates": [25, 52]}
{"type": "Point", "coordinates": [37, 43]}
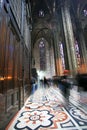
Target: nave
{"type": "Point", "coordinates": [47, 109]}
{"type": "Point", "coordinates": [42, 38]}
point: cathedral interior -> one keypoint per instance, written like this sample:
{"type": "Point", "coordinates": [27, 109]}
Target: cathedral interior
{"type": "Point", "coordinates": [43, 39]}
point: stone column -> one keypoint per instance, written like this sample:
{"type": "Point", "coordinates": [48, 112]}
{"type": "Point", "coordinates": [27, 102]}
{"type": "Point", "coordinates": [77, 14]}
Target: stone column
{"type": "Point", "coordinates": [69, 37]}
{"type": "Point", "coordinates": [55, 51]}
{"type": "Point", "coordinates": [56, 44]}
{"type": "Point", "coordinates": [82, 45]}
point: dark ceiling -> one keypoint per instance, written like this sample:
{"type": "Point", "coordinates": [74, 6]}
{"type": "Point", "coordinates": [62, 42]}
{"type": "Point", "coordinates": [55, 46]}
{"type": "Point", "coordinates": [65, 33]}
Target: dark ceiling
{"type": "Point", "coordinates": [38, 5]}
{"type": "Point", "coordinates": [49, 7]}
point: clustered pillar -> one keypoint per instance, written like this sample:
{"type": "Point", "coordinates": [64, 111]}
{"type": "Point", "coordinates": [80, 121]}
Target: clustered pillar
{"type": "Point", "coordinates": [69, 37]}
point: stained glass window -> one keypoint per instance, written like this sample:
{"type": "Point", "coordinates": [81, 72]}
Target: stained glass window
{"type": "Point", "coordinates": [85, 12]}
{"type": "Point", "coordinates": [41, 13]}
{"type": "Point", "coordinates": [62, 55]}
{"type": "Point", "coordinates": [42, 55]}
{"type": "Point", "coordinates": [1, 3]}
{"type": "Point", "coordinates": [77, 53]}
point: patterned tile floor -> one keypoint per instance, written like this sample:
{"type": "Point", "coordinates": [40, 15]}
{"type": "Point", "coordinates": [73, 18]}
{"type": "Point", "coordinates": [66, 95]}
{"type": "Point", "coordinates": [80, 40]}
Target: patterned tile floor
{"type": "Point", "coordinates": [47, 109]}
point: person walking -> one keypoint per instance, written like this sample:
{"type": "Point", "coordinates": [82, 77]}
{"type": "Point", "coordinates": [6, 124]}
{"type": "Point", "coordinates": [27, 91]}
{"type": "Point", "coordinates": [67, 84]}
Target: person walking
{"type": "Point", "coordinates": [45, 82]}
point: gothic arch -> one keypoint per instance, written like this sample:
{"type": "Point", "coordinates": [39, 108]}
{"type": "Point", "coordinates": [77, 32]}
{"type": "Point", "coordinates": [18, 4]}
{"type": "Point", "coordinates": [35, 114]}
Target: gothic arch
{"type": "Point", "coordinates": [49, 63]}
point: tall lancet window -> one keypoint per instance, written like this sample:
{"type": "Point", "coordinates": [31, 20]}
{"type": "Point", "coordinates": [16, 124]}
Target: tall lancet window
{"type": "Point", "coordinates": [77, 54]}
{"type": "Point", "coordinates": [85, 12]}
{"type": "Point", "coordinates": [42, 52]}
{"type": "Point", "coordinates": [62, 55]}
{"type": "Point", "coordinates": [1, 3]}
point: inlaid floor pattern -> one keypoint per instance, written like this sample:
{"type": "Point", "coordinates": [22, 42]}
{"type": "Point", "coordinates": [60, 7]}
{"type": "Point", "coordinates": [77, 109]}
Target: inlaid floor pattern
{"type": "Point", "coordinates": [47, 109]}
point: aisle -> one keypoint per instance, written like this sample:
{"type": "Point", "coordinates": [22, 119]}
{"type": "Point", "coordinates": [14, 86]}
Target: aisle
{"type": "Point", "coordinates": [46, 109]}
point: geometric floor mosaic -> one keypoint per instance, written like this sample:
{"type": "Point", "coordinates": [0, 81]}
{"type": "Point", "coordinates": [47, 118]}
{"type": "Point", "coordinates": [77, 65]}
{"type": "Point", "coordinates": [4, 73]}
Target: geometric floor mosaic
{"type": "Point", "coordinates": [47, 109]}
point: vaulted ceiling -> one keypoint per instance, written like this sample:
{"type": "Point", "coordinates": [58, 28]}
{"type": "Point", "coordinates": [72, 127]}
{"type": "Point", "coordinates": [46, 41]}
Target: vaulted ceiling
{"type": "Point", "coordinates": [44, 11]}
{"type": "Point", "coordinates": [47, 6]}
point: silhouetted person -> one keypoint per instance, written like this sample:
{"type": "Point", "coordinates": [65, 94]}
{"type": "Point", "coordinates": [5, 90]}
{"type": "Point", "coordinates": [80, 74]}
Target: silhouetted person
{"type": "Point", "coordinates": [33, 84]}
{"type": "Point", "coordinates": [65, 86]}
{"type": "Point", "coordinates": [41, 82]}
{"type": "Point", "coordinates": [45, 82]}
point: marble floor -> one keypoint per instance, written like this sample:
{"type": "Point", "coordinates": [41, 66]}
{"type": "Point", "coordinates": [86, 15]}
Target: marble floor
{"type": "Point", "coordinates": [47, 109]}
